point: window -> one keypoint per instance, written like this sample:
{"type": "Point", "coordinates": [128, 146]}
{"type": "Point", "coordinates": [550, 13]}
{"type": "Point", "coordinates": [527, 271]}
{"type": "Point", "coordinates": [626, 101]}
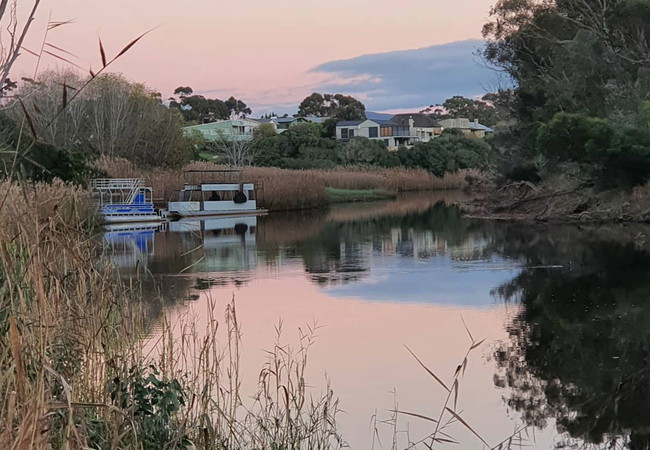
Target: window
{"type": "Point", "coordinates": [373, 132]}
{"type": "Point", "coordinates": [344, 133]}
{"type": "Point", "coordinates": [351, 133]}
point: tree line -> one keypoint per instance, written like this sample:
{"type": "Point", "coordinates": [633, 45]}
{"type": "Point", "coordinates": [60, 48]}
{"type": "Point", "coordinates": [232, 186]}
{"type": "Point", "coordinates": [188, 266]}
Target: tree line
{"type": "Point", "coordinates": [582, 98]}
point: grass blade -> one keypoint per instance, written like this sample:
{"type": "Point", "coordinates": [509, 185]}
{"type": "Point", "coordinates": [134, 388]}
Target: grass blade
{"type": "Point", "coordinates": [455, 388]}
{"type": "Point", "coordinates": [461, 420]}
{"type": "Point", "coordinates": [53, 25]}
{"type": "Point", "coordinates": [477, 344]}
{"type": "Point", "coordinates": [60, 49]}
{"type": "Point", "coordinates": [133, 42]}
{"type": "Point", "coordinates": [466, 328]}
{"type": "Point", "coordinates": [16, 354]}
{"type": "Point", "coordinates": [428, 370]}
{"type": "Point", "coordinates": [63, 59]}
{"type": "Point", "coordinates": [29, 51]}
{"type": "Point", "coordinates": [419, 416]}
{"type": "Point", "coordinates": [30, 123]}
{"type": "Point", "coordinates": [102, 52]}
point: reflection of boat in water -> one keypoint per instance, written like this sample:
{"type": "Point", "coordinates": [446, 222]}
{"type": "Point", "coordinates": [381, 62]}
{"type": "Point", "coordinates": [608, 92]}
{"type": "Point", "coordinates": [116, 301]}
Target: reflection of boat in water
{"type": "Point", "coordinates": [218, 244]}
{"type": "Point", "coordinates": [225, 194]}
{"type": "Point", "coordinates": [219, 231]}
{"type": "Point", "coordinates": [128, 243]}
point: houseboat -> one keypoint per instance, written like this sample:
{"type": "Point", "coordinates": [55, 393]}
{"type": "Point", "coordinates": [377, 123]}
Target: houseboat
{"type": "Point", "coordinates": [124, 200]}
{"type": "Point", "coordinates": [225, 194]}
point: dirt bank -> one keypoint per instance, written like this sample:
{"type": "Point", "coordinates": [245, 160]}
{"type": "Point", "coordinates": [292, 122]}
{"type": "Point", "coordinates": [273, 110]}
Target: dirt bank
{"type": "Point", "coordinates": [561, 200]}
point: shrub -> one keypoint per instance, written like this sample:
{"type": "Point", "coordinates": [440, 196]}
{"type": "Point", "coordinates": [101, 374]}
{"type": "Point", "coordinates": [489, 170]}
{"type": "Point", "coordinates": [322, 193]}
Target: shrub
{"type": "Point", "coordinates": [300, 147]}
{"type": "Point", "coordinates": [364, 151]}
{"type": "Point", "coordinates": [613, 157]}
{"type": "Point", "coordinates": [448, 154]}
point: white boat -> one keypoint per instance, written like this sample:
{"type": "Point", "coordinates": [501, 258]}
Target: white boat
{"type": "Point", "coordinates": [124, 200]}
{"type": "Point", "coordinates": [215, 198]}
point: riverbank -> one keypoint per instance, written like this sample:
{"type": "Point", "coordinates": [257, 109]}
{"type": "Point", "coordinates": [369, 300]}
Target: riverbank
{"type": "Point", "coordinates": [285, 190]}
{"type": "Point", "coordinates": [561, 199]}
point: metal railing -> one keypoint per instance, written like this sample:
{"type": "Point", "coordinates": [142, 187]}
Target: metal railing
{"type": "Point", "coordinates": [124, 190]}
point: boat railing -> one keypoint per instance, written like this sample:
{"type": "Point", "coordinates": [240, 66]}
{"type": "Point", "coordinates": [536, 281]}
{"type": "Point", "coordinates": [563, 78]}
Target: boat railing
{"type": "Point", "coordinates": [124, 190]}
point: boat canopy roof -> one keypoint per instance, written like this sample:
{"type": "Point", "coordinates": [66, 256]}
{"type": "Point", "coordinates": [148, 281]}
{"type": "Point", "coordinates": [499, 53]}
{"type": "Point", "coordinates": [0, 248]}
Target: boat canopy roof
{"type": "Point", "coordinates": [211, 187]}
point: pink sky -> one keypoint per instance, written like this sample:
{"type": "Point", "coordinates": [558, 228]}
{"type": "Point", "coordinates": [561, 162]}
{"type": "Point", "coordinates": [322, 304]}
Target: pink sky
{"type": "Point", "coordinates": [257, 50]}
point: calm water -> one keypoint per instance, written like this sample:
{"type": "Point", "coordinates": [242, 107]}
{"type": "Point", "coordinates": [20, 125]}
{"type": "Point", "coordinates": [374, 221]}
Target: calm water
{"type": "Point", "coordinates": [564, 312]}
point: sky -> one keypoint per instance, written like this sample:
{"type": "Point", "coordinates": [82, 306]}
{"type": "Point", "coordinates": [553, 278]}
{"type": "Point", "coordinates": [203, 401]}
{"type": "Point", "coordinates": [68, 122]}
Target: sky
{"type": "Point", "coordinates": [394, 56]}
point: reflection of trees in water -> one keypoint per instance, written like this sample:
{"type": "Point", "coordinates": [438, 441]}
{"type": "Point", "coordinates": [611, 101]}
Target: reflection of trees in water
{"type": "Point", "coordinates": [336, 252]}
{"type": "Point", "coordinates": [579, 348]}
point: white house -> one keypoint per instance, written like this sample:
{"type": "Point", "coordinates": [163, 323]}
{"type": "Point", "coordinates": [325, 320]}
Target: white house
{"type": "Point", "coordinates": [229, 130]}
{"type": "Point", "coordinates": [469, 128]}
{"type": "Point", "coordinates": [392, 134]}
{"type": "Point", "coordinates": [420, 125]}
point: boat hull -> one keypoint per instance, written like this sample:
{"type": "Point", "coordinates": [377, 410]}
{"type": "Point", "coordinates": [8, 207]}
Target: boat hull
{"type": "Point", "coordinates": [213, 208]}
{"type": "Point", "coordinates": [186, 213]}
{"type": "Point", "coordinates": [132, 218]}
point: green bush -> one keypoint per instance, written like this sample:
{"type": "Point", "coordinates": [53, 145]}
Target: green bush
{"type": "Point", "coordinates": [364, 151]}
{"type": "Point", "coordinates": [448, 154]}
{"type": "Point", "coordinates": [613, 157]}
{"type": "Point", "coordinates": [300, 147]}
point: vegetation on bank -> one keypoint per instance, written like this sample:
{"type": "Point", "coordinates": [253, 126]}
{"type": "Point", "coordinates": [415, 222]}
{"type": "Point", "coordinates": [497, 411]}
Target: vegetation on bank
{"type": "Point", "coordinates": [358, 195]}
{"type": "Point", "coordinates": [579, 127]}
{"type": "Point", "coordinates": [284, 189]}
{"type": "Point", "coordinates": [74, 372]}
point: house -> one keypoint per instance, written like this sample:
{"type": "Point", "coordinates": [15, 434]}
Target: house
{"type": "Point", "coordinates": [469, 128]}
{"type": "Point", "coordinates": [283, 123]}
{"type": "Point", "coordinates": [229, 130]}
{"type": "Point", "coordinates": [392, 134]}
{"type": "Point", "coordinates": [270, 121]}
{"type": "Point", "coordinates": [420, 125]}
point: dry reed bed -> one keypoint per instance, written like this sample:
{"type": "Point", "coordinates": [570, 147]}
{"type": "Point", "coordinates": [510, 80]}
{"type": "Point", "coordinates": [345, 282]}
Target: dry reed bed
{"type": "Point", "coordinates": [283, 189]}
{"type": "Point", "coordinates": [72, 370]}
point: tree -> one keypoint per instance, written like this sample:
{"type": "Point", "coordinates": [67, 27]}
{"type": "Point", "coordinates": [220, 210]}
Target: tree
{"type": "Point", "coordinates": [301, 146]}
{"type": "Point", "coordinates": [576, 56]}
{"type": "Point", "coordinates": [237, 107]}
{"type": "Point", "coordinates": [342, 107]}
{"type": "Point", "coordinates": [364, 151]}
{"type": "Point", "coordinates": [459, 106]}
{"type": "Point", "coordinates": [448, 154]}
{"type": "Point", "coordinates": [235, 152]}
{"type": "Point", "coordinates": [183, 91]}
{"type": "Point", "coordinates": [111, 117]}
{"type": "Point", "coordinates": [264, 131]}
{"type": "Point", "coordinates": [198, 109]}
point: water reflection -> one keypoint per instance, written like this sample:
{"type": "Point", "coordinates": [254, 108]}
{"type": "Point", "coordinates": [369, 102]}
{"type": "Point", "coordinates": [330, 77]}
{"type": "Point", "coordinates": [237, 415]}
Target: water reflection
{"type": "Point", "coordinates": [572, 360]}
{"type": "Point", "coordinates": [579, 348]}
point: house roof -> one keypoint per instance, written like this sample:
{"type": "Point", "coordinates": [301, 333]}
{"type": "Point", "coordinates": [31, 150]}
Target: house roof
{"type": "Point", "coordinates": [285, 119]}
{"type": "Point", "coordinates": [349, 123]}
{"type": "Point", "coordinates": [261, 120]}
{"type": "Point", "coordinates": [419, 120]}
{"type": "Point", "coordinates": [316, 119]}
{"type": "Point", "coordinates": [388, 122]}
{"type": "Point", "coordinates": [475, 126]}
{"type": "Point", "coordinates": [380, 116]}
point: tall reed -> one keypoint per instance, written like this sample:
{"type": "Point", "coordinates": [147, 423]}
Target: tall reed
{"type": "Point", "coordinates": [283, 189]}
{"type": "Point", "coordinates": [77, 370]}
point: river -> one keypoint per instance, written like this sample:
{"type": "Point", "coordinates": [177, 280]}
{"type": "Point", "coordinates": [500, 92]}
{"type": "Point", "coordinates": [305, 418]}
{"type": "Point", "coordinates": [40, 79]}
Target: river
{"type": "Point", "coordinates": [562, 311]}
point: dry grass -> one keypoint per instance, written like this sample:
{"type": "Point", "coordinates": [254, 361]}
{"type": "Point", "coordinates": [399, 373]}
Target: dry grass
{"type": "Point", "coordinates": [284, 189]}
{"type": "Point", "coordinates": [73, 371]}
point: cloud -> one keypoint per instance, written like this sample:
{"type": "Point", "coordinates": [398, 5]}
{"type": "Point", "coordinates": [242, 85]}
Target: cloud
{"type": "Point", "coordinates": [410, 78]}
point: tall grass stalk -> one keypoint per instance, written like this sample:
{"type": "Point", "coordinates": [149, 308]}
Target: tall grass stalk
{"type": "Point", "coordinates": [77, 370]}
{"type": "Point", "coordinates": [283, 189]}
